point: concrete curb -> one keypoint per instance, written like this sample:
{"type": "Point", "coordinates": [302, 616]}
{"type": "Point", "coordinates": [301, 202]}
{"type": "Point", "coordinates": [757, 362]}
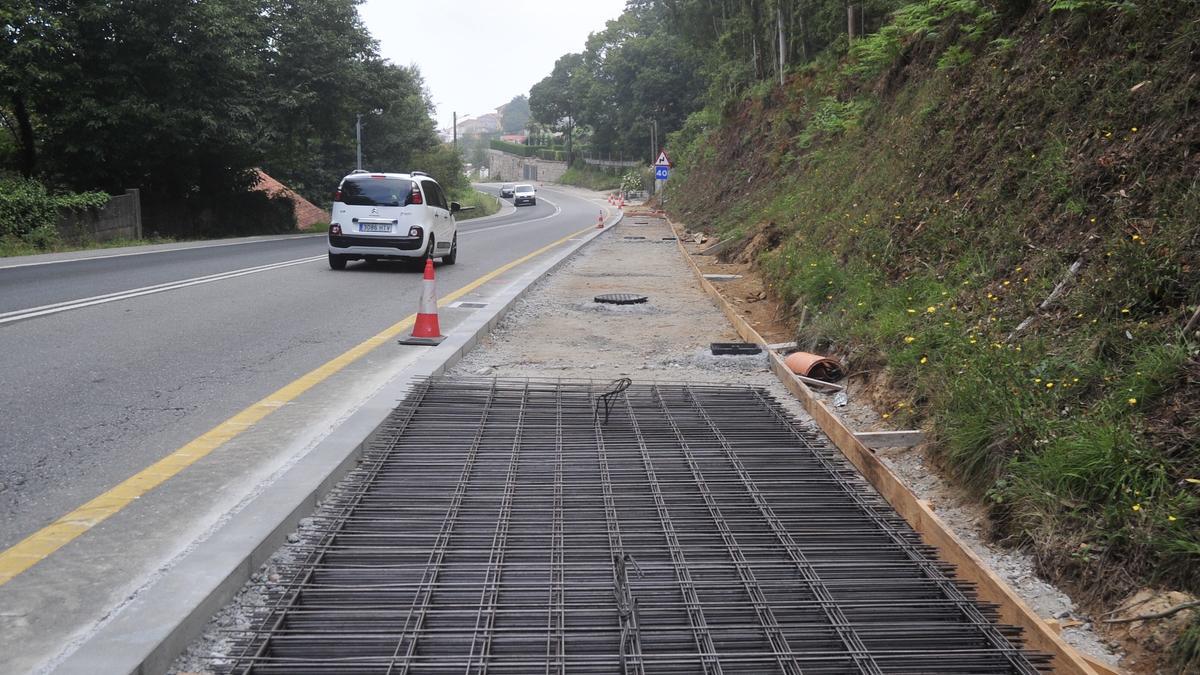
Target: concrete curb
{"type": "Point", "coordinates": [156, 626]}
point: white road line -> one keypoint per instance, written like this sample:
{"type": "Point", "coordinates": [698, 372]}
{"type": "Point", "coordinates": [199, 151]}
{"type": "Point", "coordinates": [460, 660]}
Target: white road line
{"type": "Point", "coordinates": [44, 310]}
{"type": "Point", "coordinates": [557, 211]}
{"type": "Point", "coordinates": [160, 250]}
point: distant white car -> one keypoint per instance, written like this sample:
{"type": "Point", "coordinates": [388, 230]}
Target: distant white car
{"type": "Point", "coordinates": [391, 215]}
{"type": "Point", "coordinates": [524, 194]}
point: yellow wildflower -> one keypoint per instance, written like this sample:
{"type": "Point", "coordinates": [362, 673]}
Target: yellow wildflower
{"type": "Point", "coordinates": [908, 339]}
{"type": "Point", "coordinates": [1133, 401]}
{"type": "Point", "coordinates": [923, 359]}
{"type": "Point", "coordinates": [931, 309]}
{"type": "Point", "coordinates": [1137, 507]}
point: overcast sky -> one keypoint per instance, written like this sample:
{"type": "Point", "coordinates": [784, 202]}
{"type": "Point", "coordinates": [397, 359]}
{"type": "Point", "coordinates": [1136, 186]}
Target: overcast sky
{"type": "Point", "coordinates": [476, 55]}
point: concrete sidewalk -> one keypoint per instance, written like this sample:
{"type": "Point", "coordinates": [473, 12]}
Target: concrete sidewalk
{"type": "Point", "coordinates": [557, 330]}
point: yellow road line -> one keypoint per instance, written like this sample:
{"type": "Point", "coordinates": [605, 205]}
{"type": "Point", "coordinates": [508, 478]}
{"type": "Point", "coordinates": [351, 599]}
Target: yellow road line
{"type": "Point", "coordinates": [39, 545]}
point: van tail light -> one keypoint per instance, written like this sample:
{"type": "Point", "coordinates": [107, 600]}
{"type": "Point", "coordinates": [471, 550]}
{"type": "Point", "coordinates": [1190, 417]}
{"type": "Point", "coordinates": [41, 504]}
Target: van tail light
{"type": "Point", "coordinates": [416, 196]}
{"type": "Point", "coordinates": [335, 229]}
{"type": "Point", "coordinates": [337, 195]}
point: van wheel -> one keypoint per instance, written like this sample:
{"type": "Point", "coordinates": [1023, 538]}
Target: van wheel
{"type": "Point", "coordinates": [337, 262]}
{"type": "Point", "coordinates": [452, 257]}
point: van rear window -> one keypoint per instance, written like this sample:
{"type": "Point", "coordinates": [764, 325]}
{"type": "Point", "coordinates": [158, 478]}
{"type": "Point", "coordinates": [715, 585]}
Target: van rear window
{"type": "Point", "coordinates": [376, 191]}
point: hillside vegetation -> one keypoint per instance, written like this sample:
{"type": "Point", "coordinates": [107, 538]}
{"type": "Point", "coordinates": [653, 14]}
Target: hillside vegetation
{"type": "Point", "coordinates": [992, 211]}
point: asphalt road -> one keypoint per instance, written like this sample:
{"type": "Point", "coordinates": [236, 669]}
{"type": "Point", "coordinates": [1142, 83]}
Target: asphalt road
{"type": "Point", "coordinates": [166, 345]}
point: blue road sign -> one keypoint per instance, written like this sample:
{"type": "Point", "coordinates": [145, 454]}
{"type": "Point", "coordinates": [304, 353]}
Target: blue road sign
{"type": "Point", "coordinates": [660, 172]}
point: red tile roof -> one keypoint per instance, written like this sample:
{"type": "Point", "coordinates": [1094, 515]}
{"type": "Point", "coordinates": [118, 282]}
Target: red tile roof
{"type": "Point", "coordinates": [307, 213]}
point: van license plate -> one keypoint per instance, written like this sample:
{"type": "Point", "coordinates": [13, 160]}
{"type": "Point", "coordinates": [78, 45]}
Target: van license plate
{"type": "Point", "coordinates": [374, 227]}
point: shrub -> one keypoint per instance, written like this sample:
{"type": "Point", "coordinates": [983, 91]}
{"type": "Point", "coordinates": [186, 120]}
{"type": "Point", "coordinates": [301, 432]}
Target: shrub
{"type": "Point", "coordinates": [512, 148]}
{"type": "Point", "coordinates": [29, 212]}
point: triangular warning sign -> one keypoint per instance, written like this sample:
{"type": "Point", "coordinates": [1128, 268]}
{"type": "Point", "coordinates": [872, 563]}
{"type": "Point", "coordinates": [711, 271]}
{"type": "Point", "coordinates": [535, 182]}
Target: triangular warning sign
{"type": "Point", "coordinates": [662, 159]}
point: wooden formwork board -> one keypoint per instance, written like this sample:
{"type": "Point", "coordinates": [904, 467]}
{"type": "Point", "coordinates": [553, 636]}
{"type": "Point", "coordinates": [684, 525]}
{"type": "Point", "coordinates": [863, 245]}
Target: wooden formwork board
{"type": "Point", "coordinates": [991, 588]}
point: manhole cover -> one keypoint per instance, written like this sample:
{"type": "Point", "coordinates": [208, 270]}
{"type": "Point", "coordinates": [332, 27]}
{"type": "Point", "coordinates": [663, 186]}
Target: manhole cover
{"type": "Point", "coordinates": [621, 298]}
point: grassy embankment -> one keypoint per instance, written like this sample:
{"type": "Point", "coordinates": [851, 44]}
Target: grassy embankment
{"type": "Point", "coordinates": [925, 193]}
{"type": "Point", "coordinates": [482, 203]}
{"type": "Point", "coordinates": [13, 246]}
{"type": "Point", "coordinates": [590, 179]}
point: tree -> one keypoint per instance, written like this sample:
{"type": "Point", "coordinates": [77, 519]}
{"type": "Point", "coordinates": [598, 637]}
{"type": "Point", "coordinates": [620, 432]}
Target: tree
{"type": "Point", "coordinates": [30, 41]}
{"type": "Point", "coordinates": [515, 115]}
{"type": "Point", "coordinates": [555, 100]}
{"type": "Point", "coordinates": [183, 99]}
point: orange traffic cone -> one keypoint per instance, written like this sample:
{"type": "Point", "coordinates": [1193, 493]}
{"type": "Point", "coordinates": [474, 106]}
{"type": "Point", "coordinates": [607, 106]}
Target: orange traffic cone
{"type": "Point", "coordinates": [426, 330]}
{"type": "Point", "coordinates": [600, 221]}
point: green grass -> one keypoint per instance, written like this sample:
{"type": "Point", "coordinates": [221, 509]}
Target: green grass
{"type": "Point", "coordinates": [481, 203]}
{"type": "Point", "coordinates": [591, 179]}
{"type": "Point", "coordinates": [11, 246]}
{"type": "Point", "coordinates": [921, 226]}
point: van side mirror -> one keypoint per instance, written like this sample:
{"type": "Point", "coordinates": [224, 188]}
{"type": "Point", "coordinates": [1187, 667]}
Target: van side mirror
{"type": "Point", "coordinates": [455, 207]}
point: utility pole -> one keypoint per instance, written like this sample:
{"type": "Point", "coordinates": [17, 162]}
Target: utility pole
{"type": "Point", "coordinates": [782, 46]}
{"type": "Point", "coordinates": [358, 138]}
{"type": "Point", "coordinates": [455, 132]}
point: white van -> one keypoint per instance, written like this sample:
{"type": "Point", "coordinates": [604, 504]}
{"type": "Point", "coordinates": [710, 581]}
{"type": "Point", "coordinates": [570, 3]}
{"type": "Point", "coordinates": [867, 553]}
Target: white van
{"type": "Point", "coordinates": [391, 215]}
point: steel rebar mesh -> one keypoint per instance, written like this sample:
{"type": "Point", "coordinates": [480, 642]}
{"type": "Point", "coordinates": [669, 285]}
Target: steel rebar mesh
{"type": "Point", "coordinates": [508, 527]}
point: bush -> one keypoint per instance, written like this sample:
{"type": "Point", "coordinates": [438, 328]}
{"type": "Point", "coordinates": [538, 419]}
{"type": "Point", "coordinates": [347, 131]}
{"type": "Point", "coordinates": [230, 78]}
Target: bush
{"type": "Point", "coordinates": [512, 148]}
{"type": "Point", "coordinates": [481, 203]}
{"type": "Point", "coordinates": [29, 212]}
{"type": "Point", "coordinates": [590, 179]}
{"type": "Point", "coordinates": [632, 181]}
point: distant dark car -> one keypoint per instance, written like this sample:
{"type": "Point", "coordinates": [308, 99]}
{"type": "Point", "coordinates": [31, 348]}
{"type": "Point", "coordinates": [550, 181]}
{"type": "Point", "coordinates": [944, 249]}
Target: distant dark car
{"type": "Point", "coordinates": [524, 194]}
{"type": "Point", "coordinates": [506, 190]}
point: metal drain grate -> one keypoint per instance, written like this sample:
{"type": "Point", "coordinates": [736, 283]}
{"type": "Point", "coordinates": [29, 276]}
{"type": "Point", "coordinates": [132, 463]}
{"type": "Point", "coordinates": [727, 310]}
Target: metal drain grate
{"type": "Point", "coordinates": [503, 526]}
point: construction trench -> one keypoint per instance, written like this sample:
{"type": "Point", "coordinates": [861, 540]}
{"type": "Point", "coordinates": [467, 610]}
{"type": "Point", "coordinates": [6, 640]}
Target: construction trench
{"type": "Point", "coordinates": [513, 526]}
{"type": "Point", "coordinates": [570, 498]}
